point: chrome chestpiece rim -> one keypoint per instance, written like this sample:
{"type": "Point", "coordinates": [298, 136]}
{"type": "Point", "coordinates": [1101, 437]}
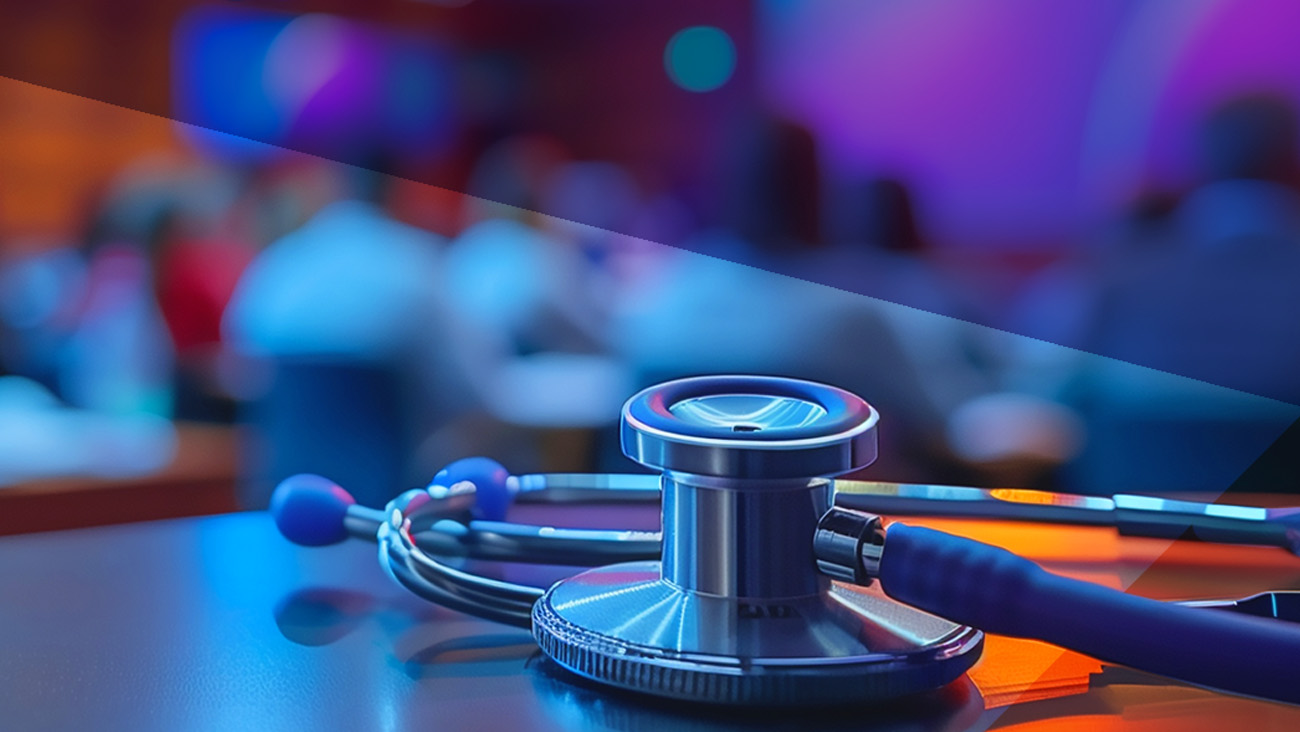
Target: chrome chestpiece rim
{"type": "Point", "coordinates": [736, 611]}
{"type": "Point", "coordinates": [749, 428]}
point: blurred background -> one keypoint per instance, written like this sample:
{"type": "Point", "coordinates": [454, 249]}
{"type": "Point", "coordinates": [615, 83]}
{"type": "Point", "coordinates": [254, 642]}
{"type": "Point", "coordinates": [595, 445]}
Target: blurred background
{"type": "Point", "coordinates": [1056, 245]}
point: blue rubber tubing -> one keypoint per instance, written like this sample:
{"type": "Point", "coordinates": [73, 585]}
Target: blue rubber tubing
{"type": "Point", "coordinates": [993, 589]}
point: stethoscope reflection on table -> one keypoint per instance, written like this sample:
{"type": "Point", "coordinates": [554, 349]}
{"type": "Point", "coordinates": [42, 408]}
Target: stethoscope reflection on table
{"type": "Point", "coordinates": [770, 583]}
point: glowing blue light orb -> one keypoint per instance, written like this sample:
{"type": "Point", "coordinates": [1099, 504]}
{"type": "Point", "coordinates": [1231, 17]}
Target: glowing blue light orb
{"type": "Point", "coordinates": [701, 58]}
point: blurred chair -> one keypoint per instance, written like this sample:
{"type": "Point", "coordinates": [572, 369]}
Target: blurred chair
{"type": "Point", "coordinates": [332, 415]}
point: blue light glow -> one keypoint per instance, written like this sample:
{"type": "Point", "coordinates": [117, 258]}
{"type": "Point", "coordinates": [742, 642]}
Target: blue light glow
{"type": "Point", "coordinates": [700, 59]}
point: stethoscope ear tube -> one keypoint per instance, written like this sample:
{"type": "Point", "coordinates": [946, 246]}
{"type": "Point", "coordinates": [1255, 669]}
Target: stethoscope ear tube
{"type": "Point", "coordinates": [993, 589]}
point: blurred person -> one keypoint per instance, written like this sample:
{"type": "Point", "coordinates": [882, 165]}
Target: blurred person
{"type": "Point", "coordinates": [41, 288]}
{"type": "Point", "coordinates": [709, 315]}
{"type": "Point", "coordinates": [87, 330]}
{"type": "Point", "coordinates": [533, 290]}
{"type": "Point", "coordinates": [533, 280]}
{"type": "Point", "coordinates": [1055, 304]}
{"type": "Point", "coordinates": [1209, 299]}
{"type": "Point", "coordinates": [198, 249]}
{"type": "Point", "coordinates": [887, 257]}
{"type": "Point", "coordinates": [934, 364]}
{"type": "Point", "coordinates": [350, 358]}
{"type": "Point", "coordinates": [509, 178]}
{"type": "Point", "coordinates": [1251, 137]}
{"type": "Point", "coordinates": [172, 214]}
{"type": "Point", "coordinates": [1216, 293]}
{"type": "Point", "coordinates": [1052, 317]}
{"type": "Point", "coordinates": [773, 189]}
{"type": "Point", "coordinates": [118, 356]}
{"type": "Point", "coordinates": [880, 250]}
{"type": "Point", "coordinates": [89, 318]}
{"type": "Point", "coordinates": [930, 370]}
{"type": "Point", "coordinates": [194, 280]}
{"type": "Point", "coordinates": [589, 205]}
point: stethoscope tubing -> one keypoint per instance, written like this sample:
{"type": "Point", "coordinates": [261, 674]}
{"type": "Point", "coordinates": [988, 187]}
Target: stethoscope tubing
{"type": "Point", "coordinates": [953, 577]}
{"type": "Point", "coordinates": [504, 602]}
{"type": "Point", "coordinates": [1000, 592]}
{"type": "Point", "coordinates": [1132, 515]}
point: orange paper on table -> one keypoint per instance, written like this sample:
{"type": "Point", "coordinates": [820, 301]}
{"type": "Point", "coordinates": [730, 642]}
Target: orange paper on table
{"type": "Point", "coordinates": [1015, 671]}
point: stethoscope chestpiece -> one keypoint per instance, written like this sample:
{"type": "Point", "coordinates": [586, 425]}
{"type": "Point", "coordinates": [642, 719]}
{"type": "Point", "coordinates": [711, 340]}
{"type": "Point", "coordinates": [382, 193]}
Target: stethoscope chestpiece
{"type": "Point", "coordinates": [736, 612]}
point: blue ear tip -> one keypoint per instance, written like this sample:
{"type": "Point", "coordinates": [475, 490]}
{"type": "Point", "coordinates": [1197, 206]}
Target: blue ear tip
{"type": "Point", "coordinates": [491, 484]}
{"type": "Point", "coordinates": [310, 510]}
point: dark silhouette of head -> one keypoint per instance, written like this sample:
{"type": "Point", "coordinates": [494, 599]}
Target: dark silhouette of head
{"type": "Point", "coordinates": [885, 217]}
{"type": "Point", "coordinates": [372, 178]}
{"type": "Point", "coordinates": [513, 172]}
{"type": "Point", "coordinates": [147, 218]}
{"type": "Point", "coordinates": [774, 187]}
{"type": "Point", "coordinates": [1251, 136]}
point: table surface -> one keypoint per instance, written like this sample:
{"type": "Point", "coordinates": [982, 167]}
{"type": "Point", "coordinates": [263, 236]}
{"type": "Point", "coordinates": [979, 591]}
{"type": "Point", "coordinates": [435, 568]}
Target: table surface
{"type": "Point", "coordinates": [218, 623]}
{"type": "Point", "coordinates": [200, 480]}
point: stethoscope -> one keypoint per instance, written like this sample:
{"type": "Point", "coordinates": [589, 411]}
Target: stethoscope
{"type": "Point", "coordinates": [760, 590]}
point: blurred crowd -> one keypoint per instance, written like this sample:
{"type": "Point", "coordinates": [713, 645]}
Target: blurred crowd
{"type": "Point", "coordinates": [350, 331]}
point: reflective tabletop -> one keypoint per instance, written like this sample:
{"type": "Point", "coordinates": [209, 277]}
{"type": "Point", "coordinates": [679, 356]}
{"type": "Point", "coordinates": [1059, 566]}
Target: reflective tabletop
{"type": "Point", "coordinates": [218, 623]}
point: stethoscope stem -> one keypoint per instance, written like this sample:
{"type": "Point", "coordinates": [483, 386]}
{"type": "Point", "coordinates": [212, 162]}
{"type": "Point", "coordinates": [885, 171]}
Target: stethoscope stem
{"type": "Point", "coordinates": [363, 522]}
